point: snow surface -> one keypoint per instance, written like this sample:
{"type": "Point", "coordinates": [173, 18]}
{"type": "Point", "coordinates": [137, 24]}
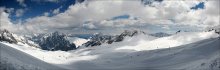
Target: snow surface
{"type": "Point", "coordinates": [172, 41]}
{"type": "Point", "coordinates": [186, 50]}
{"type": "Point", "coordinates": [13, 59]}
{"type": "Point", "coordinates": [77, 41]}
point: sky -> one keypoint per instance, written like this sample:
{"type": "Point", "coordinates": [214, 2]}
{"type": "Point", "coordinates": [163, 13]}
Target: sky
{"type": "Point", "coordinates": [107, 16]}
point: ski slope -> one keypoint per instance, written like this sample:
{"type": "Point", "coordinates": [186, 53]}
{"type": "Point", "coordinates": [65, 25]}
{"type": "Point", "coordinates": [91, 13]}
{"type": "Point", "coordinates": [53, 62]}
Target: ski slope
{"type": "Point", "coordinates": [187, 51]}
{"type": "Point", "coordinates": [14, 59]}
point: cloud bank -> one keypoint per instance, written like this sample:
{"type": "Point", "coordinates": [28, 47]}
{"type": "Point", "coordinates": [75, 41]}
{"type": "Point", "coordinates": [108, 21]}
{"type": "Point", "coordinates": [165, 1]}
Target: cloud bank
{"type": "Point", "coordinates": [96, 15]}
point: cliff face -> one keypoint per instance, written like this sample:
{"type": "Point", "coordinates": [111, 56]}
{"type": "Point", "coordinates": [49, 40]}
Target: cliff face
{"type": "Point", "coordinates": [54, 41]}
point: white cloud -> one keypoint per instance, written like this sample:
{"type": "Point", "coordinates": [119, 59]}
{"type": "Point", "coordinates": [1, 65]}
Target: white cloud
{"type": "Point", "coordinates": [166, 27]}
{"type": "Point", "coordinates": [4, 19]}
{"type": "Point", "coordinates": [21, 2]}
{"type": "Point", "coordinates": [165, 13]}
{"type": "Point", "coordinates": [212, 12]}
{"type": "Point", "coordinates": [52, 1]}
{"type": "Point", "coordinates": [46, 14]}
{"type": "Point", "coordinates": [5, 23]}
{"type": "Point", "coordinates": [56, 11]}
{"type": "Point", "coordinates": [19, 12]}
{"type": "Point", "coordinates": [89, 26]}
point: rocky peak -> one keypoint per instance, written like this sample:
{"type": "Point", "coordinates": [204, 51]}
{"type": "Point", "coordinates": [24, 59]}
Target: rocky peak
{"type": "Point", "coordinates": [7, 36]}
{"type": "Point", "coordinates": [54, 41]}
{"type": "Point", "coordinates": [99, 38]}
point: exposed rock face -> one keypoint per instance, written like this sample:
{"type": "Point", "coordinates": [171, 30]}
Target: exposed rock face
{"type": "Point", "coordinates": [5, 35]}
{"type": "Point", "coordinates": [178, 31]}
{"type": "Point", "coordinates": [54, 41]}
{"type": "Point", "coordinates": [160, 34]}
{"type": "Point", "coordinates": [99, 39]}
{"type": "Point", "coordinates": [217, 30]}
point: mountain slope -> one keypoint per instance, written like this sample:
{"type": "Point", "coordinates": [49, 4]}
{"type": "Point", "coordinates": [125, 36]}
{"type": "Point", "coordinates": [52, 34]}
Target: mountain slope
{"type": "Point", "coordinates": [99, 39]}
{"type": "Point", "coordinates": [196, 51]}
{"type": "Point", "coordinates": [13, 59]}
{"type": "Point", "coordinates": [202, 55]}
{"type": "Point", "coordinates": [172, 41]}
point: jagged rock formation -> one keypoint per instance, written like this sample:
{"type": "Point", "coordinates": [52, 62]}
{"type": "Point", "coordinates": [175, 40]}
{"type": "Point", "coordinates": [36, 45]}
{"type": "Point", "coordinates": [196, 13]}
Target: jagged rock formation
{"type": "Point", "coordinates": [178, 31]}
{"type": "Point", "coordinates": [54, 41]}
{"type": "Point", "coordinates": [99, 39]}
{"type": "Point", "coordinates": [216, 29]}
{"type": "Point", "coordinates": [5, 35]}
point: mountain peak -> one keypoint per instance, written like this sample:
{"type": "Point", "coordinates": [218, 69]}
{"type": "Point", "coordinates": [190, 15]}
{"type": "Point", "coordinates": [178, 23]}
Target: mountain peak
{"type": "Point", "coordinates": [54, 41]}
{"type": "Point", "coordinates": [7, 36]}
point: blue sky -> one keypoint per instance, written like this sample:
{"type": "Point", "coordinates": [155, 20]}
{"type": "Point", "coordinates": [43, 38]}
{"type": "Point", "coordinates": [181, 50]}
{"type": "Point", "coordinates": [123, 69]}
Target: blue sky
{"type": "Point", "coordinates": [199, 6]}
{"type": "Point", "coordinates": [98, 15]}
{"type": "Point", "coordinates": [35, 8]}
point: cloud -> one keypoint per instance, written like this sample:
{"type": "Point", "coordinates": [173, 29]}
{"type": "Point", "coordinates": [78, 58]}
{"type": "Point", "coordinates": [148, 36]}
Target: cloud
{"type": "Point", "coordinates": [8, 10]}
{"type": "Point", "coordinates": [52, 1]}
{"type": "Point", "coordinates": [5, 23]}
{"type": "Point", "coordinates": [99, 13]}
{"type": "Point", "coordinates": [21, 2]}
{"type": "Point", "coordinates": [19, 12]}
{"type": "Point", "coordinates": [56, 11]}
{"type": "Point", "coordinates": [46, 14]}
{"type": "Point", "coordinates": [212, 12]}
{"type": "Point", "coordinates": [89, 26]}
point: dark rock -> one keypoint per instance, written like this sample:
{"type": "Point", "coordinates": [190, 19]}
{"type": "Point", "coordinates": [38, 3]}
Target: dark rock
{"type": "Point", "coordinates": [54, 41]}
{"type": "Point", "coordinates": [160, 34]}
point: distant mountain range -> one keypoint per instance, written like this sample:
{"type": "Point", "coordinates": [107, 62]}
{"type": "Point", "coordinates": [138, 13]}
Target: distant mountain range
{"type": "Point", "coordinates": [99, 38]}
{"type": "Point", "coordinates": [59, 41]}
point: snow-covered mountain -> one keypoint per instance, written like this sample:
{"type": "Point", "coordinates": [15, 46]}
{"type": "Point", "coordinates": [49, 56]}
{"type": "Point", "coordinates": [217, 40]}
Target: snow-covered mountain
{"type": "Point", "coordinates": [7, 36]}
{"type": "Point", "coordinates": [99, 38]}
{"type": "Point", "coordinates": [216, 29]}
{"type": "Point", "coordinates": [58, 41]}
{"type": "Point", "coordinates": [54, 41]}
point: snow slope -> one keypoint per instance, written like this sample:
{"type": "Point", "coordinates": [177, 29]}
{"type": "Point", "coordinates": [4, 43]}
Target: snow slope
{"type": "Point", "coordinates": [77, 41]}
{"type": "Point", "coordinates": [202, 55]}
{"type": "Point", "coordinates": [172, 41]}
{"type": "Point", "coordinates": [194, 51]}
{"type": "Point", "coordinates": [12, 59]}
